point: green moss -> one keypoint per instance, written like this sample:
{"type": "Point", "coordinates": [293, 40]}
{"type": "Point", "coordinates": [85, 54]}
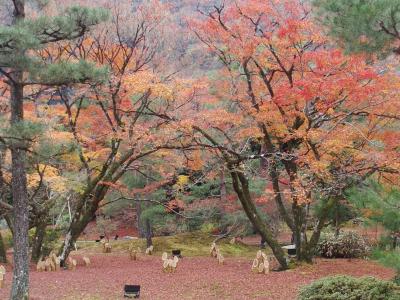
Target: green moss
{"type": "Point", "coordinates": [190, 244]}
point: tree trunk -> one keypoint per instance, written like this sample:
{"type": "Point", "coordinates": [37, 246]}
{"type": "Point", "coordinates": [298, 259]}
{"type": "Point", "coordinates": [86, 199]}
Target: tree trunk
{"type": "Point", "coordinates": [20, 284]}
{"type": "Point", "coordinates": [241, 187]}
{"type": "Point", "coordinates": [307, 250]}
{"type": "Point", "coordinates": [83, 215]}
{"type": "Point", "coordinates": [262, 243]}
{"type": "Point", "coordinates": [20, 287]}
{"type": "Point", "coordinates": [149, 233]}
{"type": "Point", "coordinates": [141, 230]}
{"type": "Point", "coordinates": [78, 224]}
{"type": "Point", "coordinates": [304, 249]}
{"type": "Point", "coordinates": [87, 206]}
{"type": "Point", "coordinates": [337, 222]}
{"type": "Point", "coordinates": [222, 185]}
{"type": "Point", "coordinates": [3, 251]}
{"type": "Point", "coordinates": [299, 234]}
{"type": "Point", "coordinates": [40, 233]}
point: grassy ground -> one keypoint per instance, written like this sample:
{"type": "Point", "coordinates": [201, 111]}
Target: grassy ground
{"type": "Point", "coordinates": [190, 244]}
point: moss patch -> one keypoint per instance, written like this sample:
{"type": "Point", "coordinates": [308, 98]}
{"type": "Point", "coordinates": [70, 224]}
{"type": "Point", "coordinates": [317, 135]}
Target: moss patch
{"type": "Point", "coordinates": [190, 244]}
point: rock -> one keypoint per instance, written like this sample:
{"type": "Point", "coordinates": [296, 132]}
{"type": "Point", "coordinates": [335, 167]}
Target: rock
{"type": "Point", "coordinates": [107, 247]}
{"type": "Point", "coordinates": [2, 275]}
{"type": "Point", "coordinates": [261, 263]}
{"type": "Point", "coordinates": [169, 265]}
{"type": "Point", "coordinates": [164, 256]}
{"type": "Point", "coordinates": [71, 263]}
{"type": "Point", "coordinates": [40, 266]}
{"type": "Point", "coordinates": [86, 260]}
{"type": "Point", "coordinates": [149, 250]}
{"type": "Point", "coordinates": [213, 250]}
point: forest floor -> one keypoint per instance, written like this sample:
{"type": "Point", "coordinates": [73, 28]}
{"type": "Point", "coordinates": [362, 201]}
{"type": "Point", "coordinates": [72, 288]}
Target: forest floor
{"type": "Point", "coordinates": [195, 278]}
{"type": "Point", "coordinates": [198, 276]}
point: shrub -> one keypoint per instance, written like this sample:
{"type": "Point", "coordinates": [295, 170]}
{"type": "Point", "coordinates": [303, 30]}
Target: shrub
{"type": "Point", "coordinates": [345, 245]}
{"type": "Point", "coordinates": [50, 241]}
{"type": "Point", "coordinates": [208, 228]}
{"type": "Point", "coordinates": [205, 215]}
{"type": "Point", "coordinates": [238, 222]}
{"type": "Point", "coordinates": [348, 288]}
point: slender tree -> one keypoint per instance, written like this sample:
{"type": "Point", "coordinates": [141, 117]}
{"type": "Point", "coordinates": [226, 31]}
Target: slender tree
{"type": "Point", "coordinates": [19, 69]}
{"type": "Point", "coordinates": [133, 106]}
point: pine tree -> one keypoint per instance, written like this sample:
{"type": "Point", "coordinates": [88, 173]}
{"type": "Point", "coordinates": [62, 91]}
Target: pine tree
{"type": "Point", "coordinates": [20, 68]}
{"type": "Point", "coordinates": [380, 205]}
{"type": "Point", "coordinates": [363, 25]}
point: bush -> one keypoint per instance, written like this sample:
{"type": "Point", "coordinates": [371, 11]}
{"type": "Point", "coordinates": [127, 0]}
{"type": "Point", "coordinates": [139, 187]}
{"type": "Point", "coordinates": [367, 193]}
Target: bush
{"type": "Point", "coordinates": [50, 240]}
{"type": "Point", "coordinates": [208, 228]}
{"type": "Point", "coordinates": [238, 222]}
{"type": "Point", "coordinates": [198, 217]}
{"type": "Point", "coordinates": [348, 288]}
{"type": "Point", "coordinates": [345, 245]}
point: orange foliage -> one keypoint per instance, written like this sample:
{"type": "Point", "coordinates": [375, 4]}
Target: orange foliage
{"type": "Point", "coordinates": [324, 113]}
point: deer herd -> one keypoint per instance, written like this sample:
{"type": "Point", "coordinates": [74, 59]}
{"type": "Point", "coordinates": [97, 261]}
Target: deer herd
{"type": "Point", "coordinates": [261, 264]}
{"type": "Point", "coordinates": [53, 263]}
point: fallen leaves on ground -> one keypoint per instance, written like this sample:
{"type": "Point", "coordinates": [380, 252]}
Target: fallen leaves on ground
{"type": "Point", "coordinates": [195, 278]}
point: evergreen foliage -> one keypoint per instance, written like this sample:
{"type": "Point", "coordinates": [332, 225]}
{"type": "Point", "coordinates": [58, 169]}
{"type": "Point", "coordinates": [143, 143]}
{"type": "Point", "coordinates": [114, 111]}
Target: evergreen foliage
{"type": "Point", "coordinates": [362, 25]}
{"type": "Point", "coordinates": [338, 214]}
{"type": "Point", "coordinates": [380, 205]}
{"type": "Point", "coordinates": [20, 66]}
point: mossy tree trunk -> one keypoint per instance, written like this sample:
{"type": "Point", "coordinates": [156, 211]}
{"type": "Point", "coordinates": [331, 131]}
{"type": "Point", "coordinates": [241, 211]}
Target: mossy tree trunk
{"type": "Point", "coordinates": [241, 187]}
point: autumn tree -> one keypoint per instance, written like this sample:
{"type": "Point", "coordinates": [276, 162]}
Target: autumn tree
{"type": "Point", "coordinates": [317, 115]}
{"type": "Point", "coordinates": [117, 125]}
{"type": "Point", "coordinates": [45, 186]}
{"type": "Point", "coordinates": [370, 27]}
{"type": "Point", "coordinates": [19, 69]}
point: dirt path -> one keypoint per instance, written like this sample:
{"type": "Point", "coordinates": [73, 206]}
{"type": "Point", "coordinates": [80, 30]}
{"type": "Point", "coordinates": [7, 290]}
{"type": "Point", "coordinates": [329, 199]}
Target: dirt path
{"type": "Point", "coordinates": [196, 278]}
